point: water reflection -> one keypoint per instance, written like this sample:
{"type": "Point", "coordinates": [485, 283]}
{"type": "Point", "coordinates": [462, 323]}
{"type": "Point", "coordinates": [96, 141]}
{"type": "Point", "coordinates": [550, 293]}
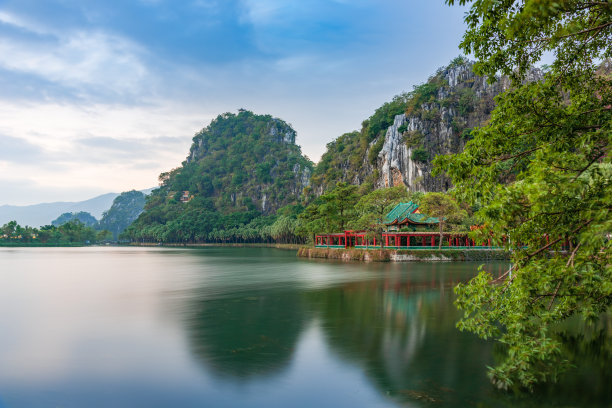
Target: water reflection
{"type": "Point", "coordinates": [100, 327]}
{"type": "Point", "coordinates": [404, 340]}
{"type": "Point", "coordinates": [398, 329]}
{"type": "Point", "coordinates": [246, 336]}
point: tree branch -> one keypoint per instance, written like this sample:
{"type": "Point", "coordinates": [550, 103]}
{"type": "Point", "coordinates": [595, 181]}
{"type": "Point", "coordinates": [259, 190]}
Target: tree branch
{"type": "Point", "coordinates": [545, 247]}
{"type": "Point", "coordinates": [599, 28]}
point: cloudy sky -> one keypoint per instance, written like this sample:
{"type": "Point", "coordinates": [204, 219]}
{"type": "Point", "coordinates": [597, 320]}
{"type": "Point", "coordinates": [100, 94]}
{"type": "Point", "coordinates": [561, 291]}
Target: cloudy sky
{"type": "Point", "coordinates": [102, 96]}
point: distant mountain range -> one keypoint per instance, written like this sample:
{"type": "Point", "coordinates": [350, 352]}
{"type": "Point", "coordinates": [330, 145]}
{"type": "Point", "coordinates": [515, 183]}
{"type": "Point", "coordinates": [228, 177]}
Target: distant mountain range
{"type": "Point", "coordinates": [36, 215]}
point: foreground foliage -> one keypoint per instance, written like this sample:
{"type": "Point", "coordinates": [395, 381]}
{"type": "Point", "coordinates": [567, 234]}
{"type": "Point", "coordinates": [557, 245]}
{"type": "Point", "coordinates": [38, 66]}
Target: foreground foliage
{"type": "Point", "coordinates": [541, 172]}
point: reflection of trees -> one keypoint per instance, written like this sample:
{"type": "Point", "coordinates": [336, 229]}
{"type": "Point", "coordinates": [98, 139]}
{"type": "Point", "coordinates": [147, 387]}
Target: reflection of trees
{"type": "Point", "coordinates": [403, 336]}
{"type": "Point", "coordinates": [591, 352]}
{"type": "Point", "coordinates": [246, 336]}
{"type": "Point", "coordinates": [400, 330]}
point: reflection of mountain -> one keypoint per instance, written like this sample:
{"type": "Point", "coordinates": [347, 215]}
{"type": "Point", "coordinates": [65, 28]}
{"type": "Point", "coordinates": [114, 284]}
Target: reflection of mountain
{"type": "Point", "coordinates": [399, 330]}
{"type": "Point", "coordinates": [246, 336]}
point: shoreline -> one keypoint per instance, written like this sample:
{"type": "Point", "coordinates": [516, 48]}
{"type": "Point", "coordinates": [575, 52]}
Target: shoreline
{"type": "Point", "coordinates": [343, 254]}
{"type": "Point", "coordinates": [404, 255]}
{"type": "Point", "coordinates": [212, 245]}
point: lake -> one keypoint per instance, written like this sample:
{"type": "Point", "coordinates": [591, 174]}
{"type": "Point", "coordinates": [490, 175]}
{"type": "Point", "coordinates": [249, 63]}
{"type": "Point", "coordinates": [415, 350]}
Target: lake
{"type": "Point", "coordinates": [251, 327]}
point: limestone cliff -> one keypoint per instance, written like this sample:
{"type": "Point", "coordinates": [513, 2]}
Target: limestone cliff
{"type": "Point", "coordinates": [439, 125]}
{"type": "Point", "coordinates": [436, 118]}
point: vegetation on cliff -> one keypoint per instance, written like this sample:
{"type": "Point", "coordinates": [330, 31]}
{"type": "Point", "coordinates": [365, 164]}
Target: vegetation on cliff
{"type": "Point", "coordinates": [350, 157]}
{"type": "Point", "coordinates": [439, 116]}
{"type": "Point", "coordinates": [242, 162]}
{"type": "Point", "coordinates": [242, 182]}
{"type": "Point", "coordinates": [125, 209]}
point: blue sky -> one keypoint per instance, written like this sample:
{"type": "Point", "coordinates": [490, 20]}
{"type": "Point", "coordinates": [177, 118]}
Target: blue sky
{"type": "Point", "coordinates": [103, 96]}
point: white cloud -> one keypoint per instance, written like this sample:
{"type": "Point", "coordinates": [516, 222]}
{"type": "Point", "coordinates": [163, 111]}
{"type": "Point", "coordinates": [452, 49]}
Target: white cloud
{"type": "Point", "coordinates": [142, 142]}
{"type": "Point", "coordinates": [20, 22]}
{"type": "Point", "coordinates": [94, 61]}
{"type": "Point", "coordinates": [261, 11]}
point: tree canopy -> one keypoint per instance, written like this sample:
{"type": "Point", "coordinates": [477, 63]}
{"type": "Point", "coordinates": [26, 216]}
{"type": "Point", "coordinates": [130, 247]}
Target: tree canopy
{"type": "Point", "coordinates": [82, 216]}
{"type": "Point", "coordinates": [73, 232]}
{"type": "Point", "coordinates": [540, 172]}
{"type": "Point", "coordinates": [444, 207]}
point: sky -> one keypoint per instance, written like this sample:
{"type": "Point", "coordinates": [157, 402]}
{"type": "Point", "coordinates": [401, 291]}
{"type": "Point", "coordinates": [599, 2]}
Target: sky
{"type": "Point", "coordinates": [103, 96]}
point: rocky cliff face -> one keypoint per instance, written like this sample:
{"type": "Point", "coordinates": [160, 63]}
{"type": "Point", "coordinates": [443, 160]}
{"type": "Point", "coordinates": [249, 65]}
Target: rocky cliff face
{"type": "Point", "coordinates": [459, 100]}
{"type": "Point", "coordinates": [438, 118]}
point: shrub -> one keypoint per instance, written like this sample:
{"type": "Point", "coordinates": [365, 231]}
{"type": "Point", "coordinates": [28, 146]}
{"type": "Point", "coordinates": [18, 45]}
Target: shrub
{"type": "Point", "coordinates": [420, 155]}
{"type": "Point", "coordinates": [375, 149]}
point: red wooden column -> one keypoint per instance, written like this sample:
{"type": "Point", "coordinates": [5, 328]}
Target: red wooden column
{"type": "Point", "coordinates": [386, 240]}
{"type": "Point", "coordinates": [433, 241]}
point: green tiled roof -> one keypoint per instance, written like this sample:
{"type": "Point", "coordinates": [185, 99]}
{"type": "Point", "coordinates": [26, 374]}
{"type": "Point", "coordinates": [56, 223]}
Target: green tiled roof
{"type": "Point", "coordinates": [405, 211]}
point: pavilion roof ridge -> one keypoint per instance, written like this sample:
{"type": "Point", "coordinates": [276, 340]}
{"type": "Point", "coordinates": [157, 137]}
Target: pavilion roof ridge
{"type": "Point", "coordinates": [404, 213]}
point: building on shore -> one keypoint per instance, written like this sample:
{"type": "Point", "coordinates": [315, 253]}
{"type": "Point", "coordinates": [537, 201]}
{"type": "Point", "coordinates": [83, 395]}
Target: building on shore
{"type": "Point", "coordinates": [402, 216]}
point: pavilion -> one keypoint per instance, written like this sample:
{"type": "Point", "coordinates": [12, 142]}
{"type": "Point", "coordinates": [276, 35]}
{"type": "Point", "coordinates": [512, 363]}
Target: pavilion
{"type": "Point", "coordinates": [401, 216]}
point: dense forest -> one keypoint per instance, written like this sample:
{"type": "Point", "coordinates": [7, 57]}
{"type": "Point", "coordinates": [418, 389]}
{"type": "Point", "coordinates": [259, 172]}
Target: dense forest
{"type": "Point", "coordinates": [72, 232]}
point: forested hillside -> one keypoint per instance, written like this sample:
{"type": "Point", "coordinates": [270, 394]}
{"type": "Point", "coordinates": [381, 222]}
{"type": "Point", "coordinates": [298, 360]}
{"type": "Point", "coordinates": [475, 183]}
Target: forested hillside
{"type": "Point", "coordinates": [125, 210]}
{"type": "Point", "coordinates": [241, 168]}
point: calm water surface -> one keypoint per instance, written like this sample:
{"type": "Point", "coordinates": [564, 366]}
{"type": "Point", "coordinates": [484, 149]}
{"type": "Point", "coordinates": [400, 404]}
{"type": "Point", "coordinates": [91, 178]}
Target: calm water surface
{"type": "Point", "coordinates": [222, 327]}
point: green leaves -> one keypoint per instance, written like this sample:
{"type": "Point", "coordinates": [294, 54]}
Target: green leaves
{"type": "Point", "coordinates": [540, 172]}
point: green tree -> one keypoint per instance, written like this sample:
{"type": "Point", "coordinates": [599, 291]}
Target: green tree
{"type": "Point", "coordinates": [104, 235]}
{"type": "Point", "coordinates": [283, 229]}
{"type": "Point", "coordinates": [443, 207]}
{"type": "Point", "coordinates": [341, 203]}
{"type": "Point", "coordinates": [540, 172]}
{"type": "Point", "coordinates": [372, 207]}
{"type": "Point", "coordinates": [9, 229]}
{"type": "Point", "coordinates": [311, 221]}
